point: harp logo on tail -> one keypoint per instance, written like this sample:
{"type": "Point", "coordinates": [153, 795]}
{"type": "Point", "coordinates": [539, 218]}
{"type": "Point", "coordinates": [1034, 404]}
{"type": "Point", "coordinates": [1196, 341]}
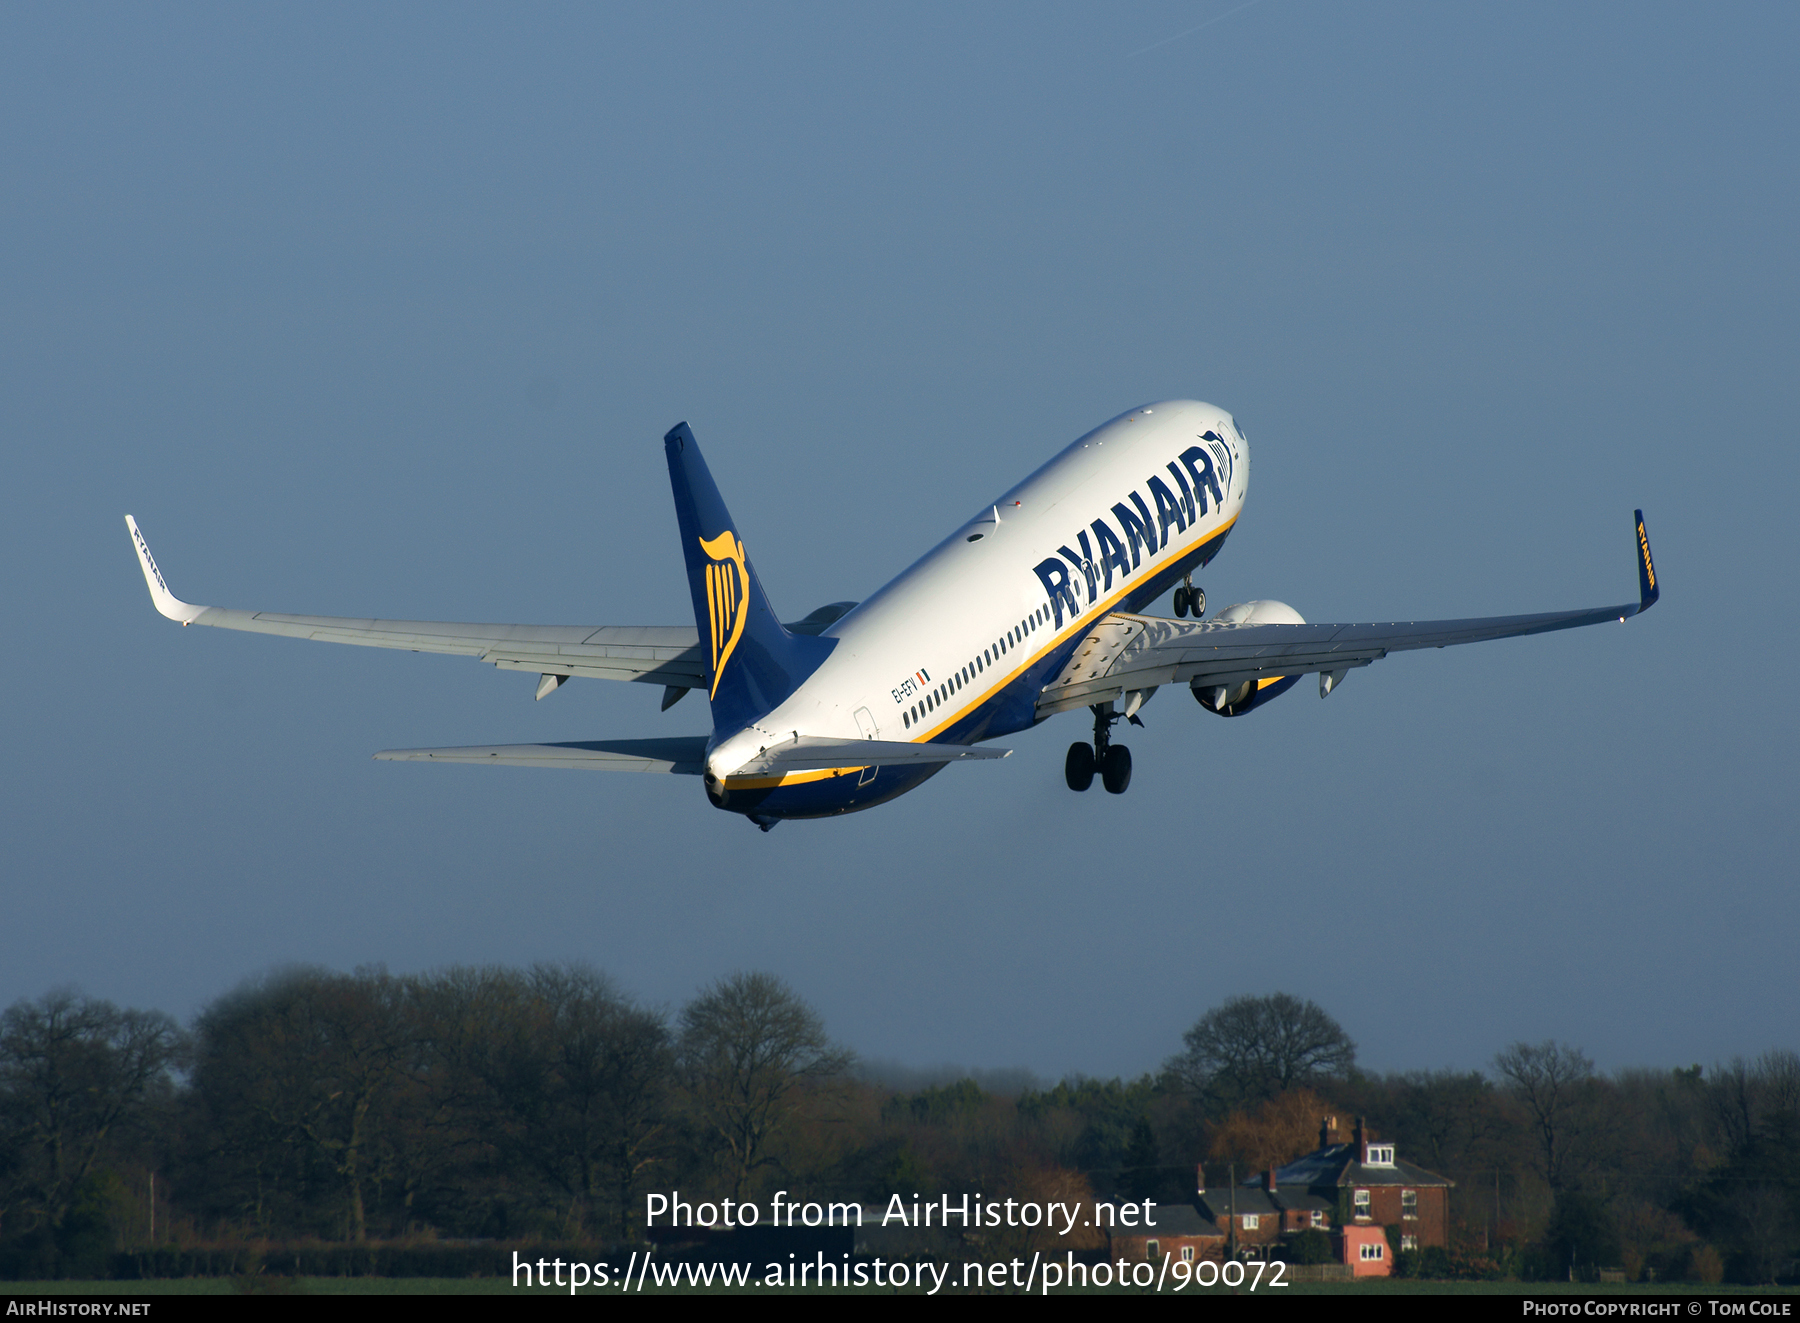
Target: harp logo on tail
{"type": "Point", "coordinates": [727, 596]}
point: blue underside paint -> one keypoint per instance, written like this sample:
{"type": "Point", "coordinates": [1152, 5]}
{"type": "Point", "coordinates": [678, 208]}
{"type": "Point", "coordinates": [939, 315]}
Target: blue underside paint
{"type": "Point", "coordinates": [1268, 693]}
{"type": "Point", "coordinates": [1007, 712]}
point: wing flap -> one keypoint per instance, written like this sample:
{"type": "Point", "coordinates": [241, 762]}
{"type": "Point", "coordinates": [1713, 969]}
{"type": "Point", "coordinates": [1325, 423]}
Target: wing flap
{"type": "Point", "coordinates": [683, 755]}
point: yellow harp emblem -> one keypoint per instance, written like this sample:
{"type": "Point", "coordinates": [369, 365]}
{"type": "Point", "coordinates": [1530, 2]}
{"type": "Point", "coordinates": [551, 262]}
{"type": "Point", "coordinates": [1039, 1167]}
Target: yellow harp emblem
{"type": "Point", "coordinates": [727, 597]}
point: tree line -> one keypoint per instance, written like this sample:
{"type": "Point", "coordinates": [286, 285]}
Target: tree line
{"type": "Point", "coordinates": [543, 1103]}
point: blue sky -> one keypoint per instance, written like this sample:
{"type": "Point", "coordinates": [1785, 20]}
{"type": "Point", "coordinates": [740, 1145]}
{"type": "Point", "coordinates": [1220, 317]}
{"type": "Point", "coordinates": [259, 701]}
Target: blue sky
{"type": "Point", "coordinates": [384, 309]}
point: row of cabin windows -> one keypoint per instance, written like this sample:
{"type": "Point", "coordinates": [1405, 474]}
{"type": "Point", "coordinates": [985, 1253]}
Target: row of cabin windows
{"type": "Point", "coordinates": [988, 656]}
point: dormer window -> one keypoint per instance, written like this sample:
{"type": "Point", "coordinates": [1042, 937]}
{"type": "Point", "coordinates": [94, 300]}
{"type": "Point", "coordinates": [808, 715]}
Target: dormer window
{"type": "Point", "coordinates": [1381, 1155]}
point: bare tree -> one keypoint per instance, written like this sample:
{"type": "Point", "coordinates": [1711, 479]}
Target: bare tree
{"type": "Point", "coordinates": [1748, 1097]}
{"type": "Point", "coordinates": [571, 1078]}
{"type": "Point", "coordinates": [1448, 1118]}
{"type": "Point", "coordinates": [749, 1046]}
{"type": "Point", "coordinates": [73, 1070]}
{"type": "Point", "coordinates": [1253, 1048]}
{"type": "Point", "coordinates": [311, 1061]}
{"type": "Point", "coordinates": [1273, 1133]}
{"type": "Point", "coordinates": [1552, 1080]}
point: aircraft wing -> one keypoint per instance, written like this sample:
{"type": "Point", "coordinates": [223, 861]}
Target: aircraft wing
{"type": "Point", "coordinates": [682, 755]}
{"type": "Point", "coordinates": [1123, 653]}
{"type": "Point", "coordinates": [657, 654]}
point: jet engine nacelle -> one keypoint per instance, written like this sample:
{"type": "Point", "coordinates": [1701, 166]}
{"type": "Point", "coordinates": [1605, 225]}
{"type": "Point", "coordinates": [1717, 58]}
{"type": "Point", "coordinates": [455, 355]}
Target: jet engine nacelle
{"type": "Point", "coordinates": [1248, 695]}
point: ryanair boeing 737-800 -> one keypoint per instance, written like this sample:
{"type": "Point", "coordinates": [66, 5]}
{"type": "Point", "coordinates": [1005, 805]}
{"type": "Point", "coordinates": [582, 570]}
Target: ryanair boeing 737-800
{"type": "Point", "coordinates": [1032, 608]}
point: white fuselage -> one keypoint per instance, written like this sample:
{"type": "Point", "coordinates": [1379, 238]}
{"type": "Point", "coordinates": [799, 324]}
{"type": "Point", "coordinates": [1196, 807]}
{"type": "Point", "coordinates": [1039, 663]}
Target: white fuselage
{"type": "Point", "coordinates": [971, 619]}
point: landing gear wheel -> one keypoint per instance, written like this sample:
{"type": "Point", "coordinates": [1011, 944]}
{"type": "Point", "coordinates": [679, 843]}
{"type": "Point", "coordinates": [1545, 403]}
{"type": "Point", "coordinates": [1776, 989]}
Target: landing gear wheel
{"type": "Point", "coordinates": [1181, 601]}
{"type": "Point", "coordinates": [1196, 601]}
{"type": "Point", "coordinates": [1078, 767]}
{"type": "Point", "coordinates": [1115, 773]}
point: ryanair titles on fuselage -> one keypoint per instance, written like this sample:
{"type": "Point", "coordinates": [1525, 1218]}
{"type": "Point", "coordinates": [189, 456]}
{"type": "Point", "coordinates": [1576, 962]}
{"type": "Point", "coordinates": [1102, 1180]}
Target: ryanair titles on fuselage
{"type": "Point", "coordinates": [1143, 526]}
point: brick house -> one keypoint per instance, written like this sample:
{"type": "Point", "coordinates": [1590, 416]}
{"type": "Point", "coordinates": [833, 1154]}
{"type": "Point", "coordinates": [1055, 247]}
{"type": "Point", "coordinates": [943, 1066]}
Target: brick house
{"type": "Point", "coordinates": [1351, 1187]}
{"type": "Point", "coordinates": [1367, 1187]}
{"type": "Point", "coordinates": [1185, 1232]}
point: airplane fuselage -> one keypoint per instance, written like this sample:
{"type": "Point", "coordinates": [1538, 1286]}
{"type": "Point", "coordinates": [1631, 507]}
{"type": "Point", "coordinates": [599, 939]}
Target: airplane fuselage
{"type": "Point", "coordinates": [958, 648]}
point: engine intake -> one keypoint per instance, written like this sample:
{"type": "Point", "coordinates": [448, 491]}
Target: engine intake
{"type": "Point", "coordinates": [1248, 695]}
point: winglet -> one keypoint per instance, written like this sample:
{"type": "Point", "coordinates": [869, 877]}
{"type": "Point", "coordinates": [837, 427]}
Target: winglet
{"type": "Point", "coordinates": [1648, 592]}
{"type": "Point", "coordinates": [166, 602]}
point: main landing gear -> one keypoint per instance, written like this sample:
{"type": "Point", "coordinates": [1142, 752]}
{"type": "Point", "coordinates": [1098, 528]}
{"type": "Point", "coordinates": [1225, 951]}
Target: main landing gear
{"type": "Point", "coordinates": [1112, 761]}
{"type": "Point", "coordinates": [1189, 598]}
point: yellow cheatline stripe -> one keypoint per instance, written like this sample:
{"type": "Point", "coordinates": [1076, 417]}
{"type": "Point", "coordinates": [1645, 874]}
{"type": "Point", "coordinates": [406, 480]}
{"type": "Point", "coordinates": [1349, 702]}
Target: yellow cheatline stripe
{"type": "Point", "coordinates": [787, 779]}
{"type": "Point", "coordinates": [1090, 615]}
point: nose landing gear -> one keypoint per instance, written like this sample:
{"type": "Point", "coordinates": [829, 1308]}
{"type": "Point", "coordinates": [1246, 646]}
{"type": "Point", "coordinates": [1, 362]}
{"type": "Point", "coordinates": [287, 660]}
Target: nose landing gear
{"type": "Point", "coordinates": [1112, 761]}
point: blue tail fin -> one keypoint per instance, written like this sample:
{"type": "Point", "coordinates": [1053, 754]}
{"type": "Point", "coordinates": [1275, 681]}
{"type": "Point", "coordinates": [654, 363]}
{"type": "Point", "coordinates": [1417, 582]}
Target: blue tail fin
{"type": "Point", "coordinates": [754, 662]}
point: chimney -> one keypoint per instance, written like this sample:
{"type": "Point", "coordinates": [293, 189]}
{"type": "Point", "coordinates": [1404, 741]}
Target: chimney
{"type": "Point", "coordinates": [1200, 1178]}
{"type": "Point", "coordinates": [1269, 1180]}
{"type": "Point", "coordinates": [1327, 1131]}
{"type": "Point", "coordinates": [1362, 1141]}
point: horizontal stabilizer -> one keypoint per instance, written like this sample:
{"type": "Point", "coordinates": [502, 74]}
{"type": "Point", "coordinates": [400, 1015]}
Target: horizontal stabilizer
{"type": "Point", "coordinates": [813, 753]}
{"type": "Point", "coordinates": [685, 755]}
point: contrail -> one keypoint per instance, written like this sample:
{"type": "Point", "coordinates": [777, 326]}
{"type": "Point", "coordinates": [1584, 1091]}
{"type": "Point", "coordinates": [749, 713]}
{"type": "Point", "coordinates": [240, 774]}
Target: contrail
{"type": "Point", "coordinates": [1191, 31]}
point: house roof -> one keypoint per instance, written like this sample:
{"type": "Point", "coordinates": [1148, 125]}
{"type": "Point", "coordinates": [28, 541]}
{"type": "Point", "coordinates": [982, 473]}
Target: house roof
{"type": "Point", "coordinates": [1175, 1220]}
{"type": "Point", "coordinates": [1336, 1165]}
{"type": "Point", "coordinates": [1304, 1199]}
{"type": "Point", "coordinates": [1250, 1199]}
